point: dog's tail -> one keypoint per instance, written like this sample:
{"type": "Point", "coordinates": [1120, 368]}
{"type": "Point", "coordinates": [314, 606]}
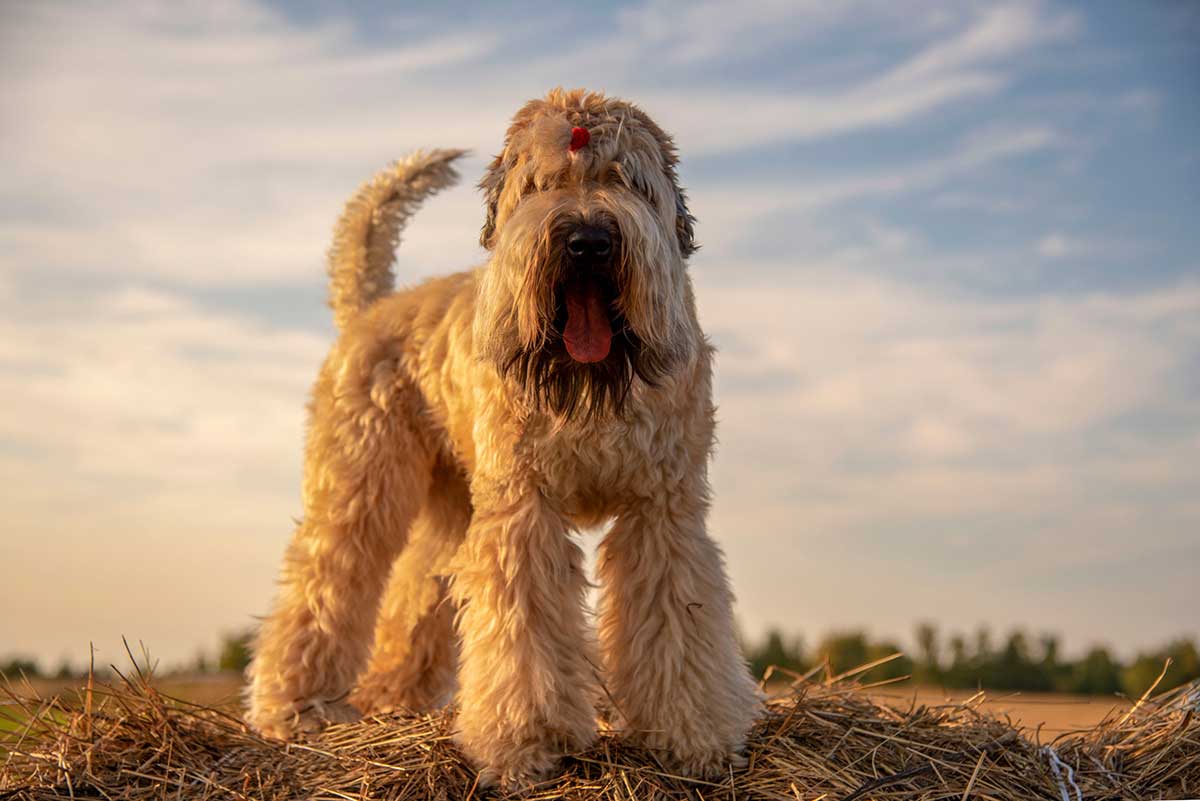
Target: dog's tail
{"type": "Point", "coordinates": [366, 236]}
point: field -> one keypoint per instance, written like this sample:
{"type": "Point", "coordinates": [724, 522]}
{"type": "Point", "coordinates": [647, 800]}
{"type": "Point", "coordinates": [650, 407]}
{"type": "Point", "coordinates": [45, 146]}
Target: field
{"type": "Point", "coordinates": [1054, 713]}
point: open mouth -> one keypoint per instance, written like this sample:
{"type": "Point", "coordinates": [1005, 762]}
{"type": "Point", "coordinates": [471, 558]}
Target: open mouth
{"type": "Point", "coordinates": [587, 331]}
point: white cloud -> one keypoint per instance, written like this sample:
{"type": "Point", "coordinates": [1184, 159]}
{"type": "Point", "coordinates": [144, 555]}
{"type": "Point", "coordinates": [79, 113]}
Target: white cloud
{"type": "Point", "coordinates": [864, 348]}
{"type": "Point", "coordinates": [216, 146]}
{"type": "Point", "coordinates": [950, 69]}
{"type": "Point", "coordinates": [753, 120]}
{"type": "Point", "coordinates": [142, 387]}
{"type": "Point", "coordinates": [999, 31]}
{"type": "Point", "coordinates": [1061, 246]}
{"type": "Point", "coordinates": [929, 388]}
{"type": "Point", "coordinates": [1057, 246]}
{"type": "Point", "coordinates": [725, 208]}
{"type": "Point", "coordinates": [978, 201]}
{"type": "Point", "coordinates": [150, 452]}
{"type": "Point", "coordinates": [695, 32]}
{"type": "Point", "coordinates": [864, 422]}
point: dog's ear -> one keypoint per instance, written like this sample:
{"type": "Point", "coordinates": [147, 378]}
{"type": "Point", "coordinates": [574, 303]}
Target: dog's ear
{"type": "Point", "coordinates": [494, 179]}
{"type": "Point", "coordinates": [684, 221]}
{"type": "Point", "coordinates": [492, 185]}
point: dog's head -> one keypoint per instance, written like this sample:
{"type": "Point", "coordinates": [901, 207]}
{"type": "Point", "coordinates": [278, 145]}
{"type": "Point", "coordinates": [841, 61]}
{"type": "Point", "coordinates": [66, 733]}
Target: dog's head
{"type": "Point", "coordinates": [589, 230]}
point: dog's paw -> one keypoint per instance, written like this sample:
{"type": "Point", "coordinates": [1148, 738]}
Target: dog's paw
{"type": "Point", "coordinates": [694, 751]}
{"type": "Point", "coordinates": [705, 764]}
{"type": "Point", "coordinates": [303, 717]}
{"type": "Point", "coordinates": [521, 769]}
{"type": "Point", "coordinates": [317, 714]}
{"type": "Point", "coordinates": [517, 764]}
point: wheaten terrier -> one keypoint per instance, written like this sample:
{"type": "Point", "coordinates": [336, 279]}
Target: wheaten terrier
{"type": "Point", "coordinates": [459, 434]}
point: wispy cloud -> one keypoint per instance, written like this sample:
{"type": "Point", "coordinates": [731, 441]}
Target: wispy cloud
{"type": "Point", "coordinates": [1057, 246]}
{"type": "Point", "coordinates": [893, 414]}
{"type": "Point", "coordinates": [696, 32]}
{"type": "Point", "coordinates": [143, 136]}
{"type": "Point", "coordinates": [999, 32]}
{"type": "Point", "coordinates": [729, 206]}
{"type": "Point", "coordinates": [141, 434]}
{"type": "Point", "coordinates": [974, 61]}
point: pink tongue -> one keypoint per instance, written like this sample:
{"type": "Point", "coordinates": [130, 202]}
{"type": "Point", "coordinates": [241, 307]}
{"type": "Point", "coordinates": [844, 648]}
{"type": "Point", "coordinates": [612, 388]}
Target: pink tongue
{"type": "Point", "coordinates": [588, 334]}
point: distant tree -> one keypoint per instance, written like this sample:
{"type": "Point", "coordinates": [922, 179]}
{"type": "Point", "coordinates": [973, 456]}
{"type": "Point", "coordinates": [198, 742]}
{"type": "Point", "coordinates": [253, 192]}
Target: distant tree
{"type": "Point", "coordinates": [983, 645]}
{"type": "Point", "coordinates": [774, 650]}
{"type": "Point", "coordinates": [928, 667]}
{"type": "Point", "coordinates": [1186, 659]}
{"type": "Point", "coordinates": [971, 664]}
{"type": "Point", "coordinates": [1049, 650]}
{"type": "Point", "coordinates": [1140, 675]}
{"type": "Point", "coordinates": [1057, 675]}
{"type": "Point", "coordinates": [843, 651]}
{"type": "Point", "coordinates": [959, 671]}
{"type": "Point", "coordinates": [1014, 669]}
{"type": "Point", "coordinates": [19, 666]}
{"type": "Point", "coordinates": [64, 670]}
{"type": "Point", "coordinates": [235, 652]}
{"type": "Point", "coordinates": [893, 669]}
{"type": "Point", "coordinates": [1096, 674]}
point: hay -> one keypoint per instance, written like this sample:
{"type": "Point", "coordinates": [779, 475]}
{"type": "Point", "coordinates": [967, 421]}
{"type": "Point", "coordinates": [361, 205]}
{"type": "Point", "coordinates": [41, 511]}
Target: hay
{"type": "Point", "coordinates": [819, 740]}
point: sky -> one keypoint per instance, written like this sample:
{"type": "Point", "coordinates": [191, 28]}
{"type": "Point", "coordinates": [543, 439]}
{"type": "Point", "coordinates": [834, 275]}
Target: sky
{"type": "Point", "coordinates": [949, 257]}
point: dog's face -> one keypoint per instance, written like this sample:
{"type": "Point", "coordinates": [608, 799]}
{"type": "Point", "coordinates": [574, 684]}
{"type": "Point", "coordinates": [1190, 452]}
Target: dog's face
{"type": "Point", "coordinates": [589, 230]}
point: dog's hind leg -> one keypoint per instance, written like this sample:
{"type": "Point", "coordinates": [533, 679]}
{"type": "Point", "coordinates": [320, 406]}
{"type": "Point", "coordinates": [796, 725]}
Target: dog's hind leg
{"type": "Point", "coordinates": [413, 663]}
{"type": "Point", "coordinates": [367, 468]}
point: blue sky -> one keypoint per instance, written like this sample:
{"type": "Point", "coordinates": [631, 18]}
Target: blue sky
{"type": "Point", "coordinates": [949, 257]}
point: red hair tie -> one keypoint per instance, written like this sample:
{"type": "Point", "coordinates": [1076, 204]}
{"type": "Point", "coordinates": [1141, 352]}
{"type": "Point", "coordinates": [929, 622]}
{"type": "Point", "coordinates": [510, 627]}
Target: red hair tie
{"type": "Point", "coordinates": [579, 139]}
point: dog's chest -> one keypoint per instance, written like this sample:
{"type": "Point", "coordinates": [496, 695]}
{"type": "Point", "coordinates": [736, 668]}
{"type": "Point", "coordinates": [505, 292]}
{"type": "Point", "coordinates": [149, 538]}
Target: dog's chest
{"type": "Point", "coordinates": [586, 472]}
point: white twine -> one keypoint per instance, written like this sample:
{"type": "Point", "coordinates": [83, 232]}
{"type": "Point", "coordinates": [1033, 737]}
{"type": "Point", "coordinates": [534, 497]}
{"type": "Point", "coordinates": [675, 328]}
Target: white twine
{"type": "Point", "coordinates": [1058, 766]}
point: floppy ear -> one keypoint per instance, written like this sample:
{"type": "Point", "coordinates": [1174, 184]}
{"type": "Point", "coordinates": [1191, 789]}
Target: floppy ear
{"type": "Point", "coordinates": [684, 221]}
{"type": "Point", "coordinates": [492, 184]}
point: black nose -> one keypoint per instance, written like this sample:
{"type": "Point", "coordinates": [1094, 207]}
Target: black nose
{"type": "Point", "coordinates": [589, 242]}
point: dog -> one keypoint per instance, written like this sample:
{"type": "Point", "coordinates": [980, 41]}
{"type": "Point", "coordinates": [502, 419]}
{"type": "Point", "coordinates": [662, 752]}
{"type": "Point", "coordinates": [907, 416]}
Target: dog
{"type": "Point", "coordinates": [461, 431]}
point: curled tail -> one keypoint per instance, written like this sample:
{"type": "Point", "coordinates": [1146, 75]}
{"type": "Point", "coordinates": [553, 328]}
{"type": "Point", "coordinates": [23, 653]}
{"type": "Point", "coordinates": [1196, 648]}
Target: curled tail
{"type": "Point", "coordinates": [366, 236]}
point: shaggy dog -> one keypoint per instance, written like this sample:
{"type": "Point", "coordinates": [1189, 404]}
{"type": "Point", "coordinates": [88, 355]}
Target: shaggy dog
{"type": "Point", "coordinates": [461, 431]}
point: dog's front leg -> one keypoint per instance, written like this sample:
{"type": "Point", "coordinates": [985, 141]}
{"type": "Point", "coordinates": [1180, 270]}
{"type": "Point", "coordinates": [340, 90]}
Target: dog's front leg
{"type": "Point", "coordinates": [673, 665]}
{"type": "Point", "coordinates": [525, 682]}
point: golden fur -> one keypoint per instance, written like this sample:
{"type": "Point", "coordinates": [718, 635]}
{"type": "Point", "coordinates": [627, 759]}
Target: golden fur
{"type": "Point", "coordinates": [453, 449]}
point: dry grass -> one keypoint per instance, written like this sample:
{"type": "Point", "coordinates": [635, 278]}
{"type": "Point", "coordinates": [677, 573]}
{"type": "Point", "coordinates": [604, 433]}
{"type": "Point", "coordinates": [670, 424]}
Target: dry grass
{"type": "Point", "coordinates": [820, 740]}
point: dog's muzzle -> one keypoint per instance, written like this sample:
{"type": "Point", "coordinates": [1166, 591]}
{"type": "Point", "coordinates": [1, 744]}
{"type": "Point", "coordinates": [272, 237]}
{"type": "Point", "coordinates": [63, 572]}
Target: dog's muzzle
{"type": "Point", "coordinates": [588, 331]}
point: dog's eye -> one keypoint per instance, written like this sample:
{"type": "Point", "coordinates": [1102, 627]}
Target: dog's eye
{"type": "Point", "coordinates": [615, 174]}
{"type": "Point", "coordinates": [642, 186]}
{"type": "Point", "coordinates": [632, 177]}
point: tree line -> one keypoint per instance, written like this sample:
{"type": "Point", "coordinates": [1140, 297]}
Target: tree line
{"type": "Point", "coordinates": [977, 661]}
{"type": "Point", "coordinates": [232, 656]}
{"type": "Point", "coordinates": [962, 662]}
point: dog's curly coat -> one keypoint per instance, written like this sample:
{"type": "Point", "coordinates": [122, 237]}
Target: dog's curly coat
{"type": "Point", "coordinates": [461, 431]}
